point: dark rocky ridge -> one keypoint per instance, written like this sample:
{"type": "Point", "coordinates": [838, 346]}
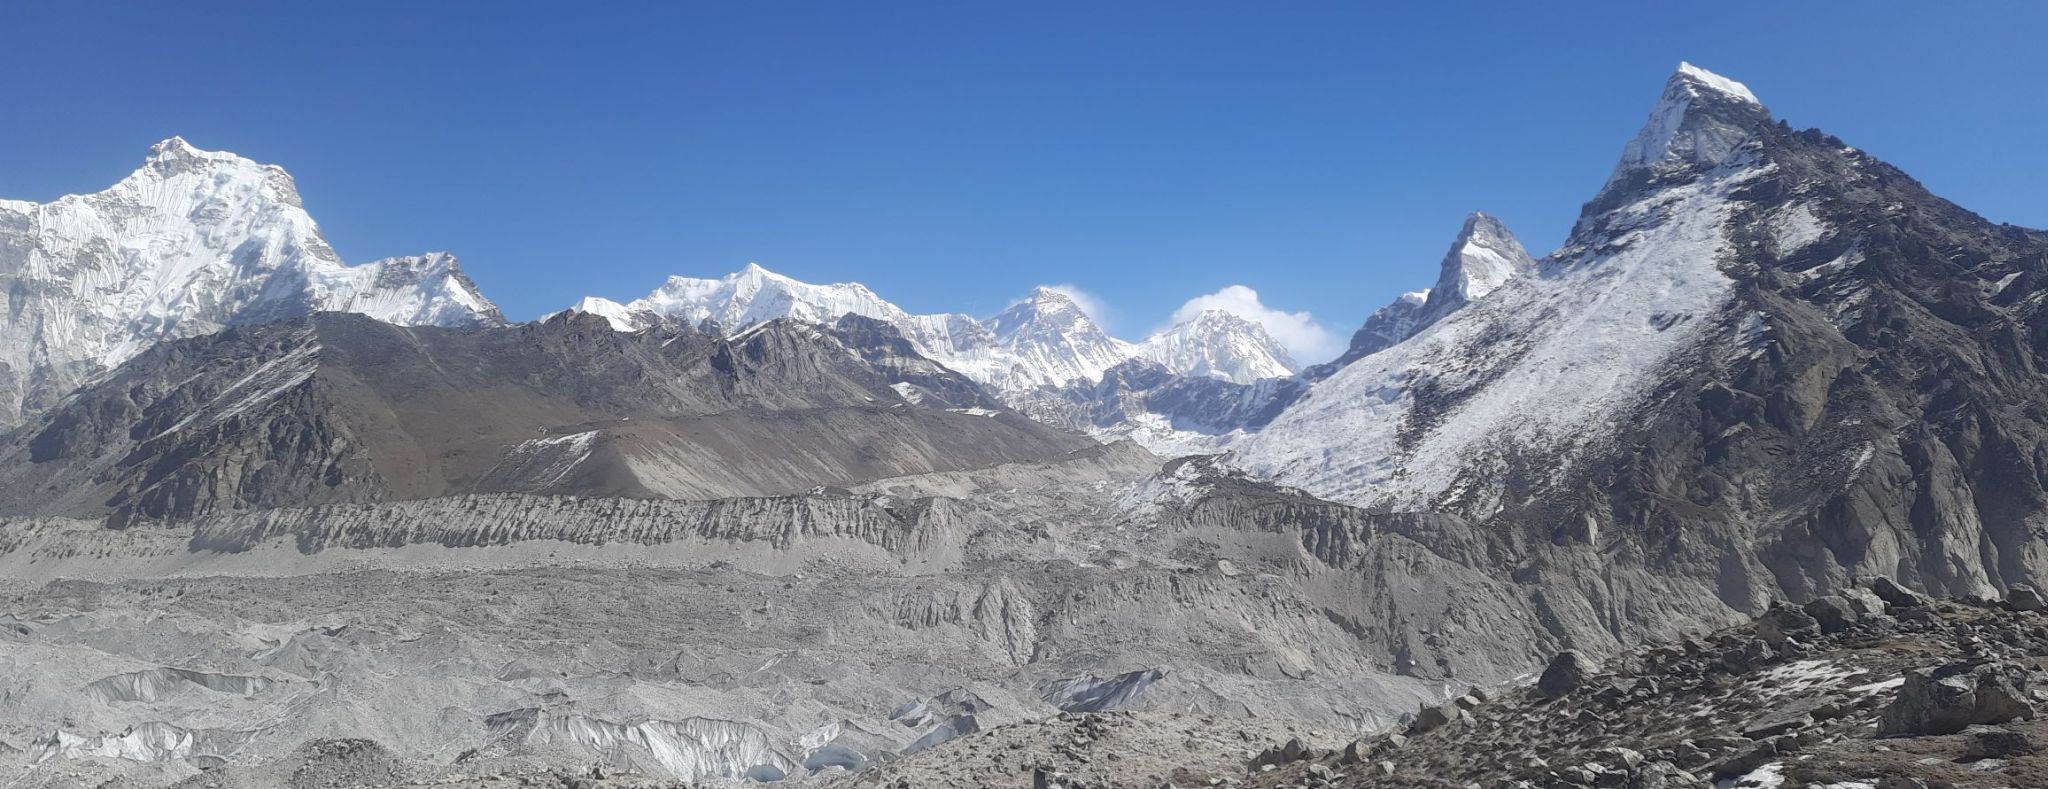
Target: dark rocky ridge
{"type": "Point", "coordinates": [341, 408]}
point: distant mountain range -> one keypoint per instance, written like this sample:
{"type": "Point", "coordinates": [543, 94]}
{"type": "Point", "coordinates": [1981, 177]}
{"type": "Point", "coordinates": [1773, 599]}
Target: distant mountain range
{"type": "Point", "coordinates": [1763, 365]}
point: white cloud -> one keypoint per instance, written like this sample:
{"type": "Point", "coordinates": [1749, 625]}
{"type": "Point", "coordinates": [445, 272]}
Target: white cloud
{"type": "Point", "coordinates": [1305, 339]}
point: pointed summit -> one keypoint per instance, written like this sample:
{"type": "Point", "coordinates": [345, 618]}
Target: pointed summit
{"type": "Point", "coordinates": [1699, 121]}
{"type": "Point", "coordinates": [412, 290]}
{"type": "Point", "coordinates": [619, 316]}
{"type": "Point", "coordinates": [175, 147]}
{"type": "Point", "coordinates": [1053, 340]}
{"type": "Point", "coordinates": [206, 240]}
{"type": "Point", "coordinates": [1044, 310]}
{"type": "Point", "coordinates": [1715, 82]}
{"type": "Point", "coordinates": [176, 150]}
{"type": "Point", "coordinates": [1483, 257]}
{"type": "Point", "coordinates": [1219, 344]}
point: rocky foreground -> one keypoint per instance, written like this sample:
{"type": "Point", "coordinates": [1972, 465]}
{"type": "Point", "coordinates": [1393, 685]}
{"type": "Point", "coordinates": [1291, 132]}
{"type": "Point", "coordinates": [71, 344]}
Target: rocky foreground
{"type": "Point", "coordinates": [1876, 688]}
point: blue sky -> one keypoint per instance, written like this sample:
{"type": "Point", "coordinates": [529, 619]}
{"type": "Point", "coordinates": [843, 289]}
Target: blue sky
{"type": "Point", "coordinates": [952, 155]}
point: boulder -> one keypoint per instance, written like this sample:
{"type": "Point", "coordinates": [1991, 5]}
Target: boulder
{"type": "Point", "coordinates": [1785, 622]}
{"type": "Point", "coordinates": [1895, 595]}
{"type": "Point", "coordinates": [1665, 775]}
{"type": "Point", "coordinates": [1834, 613]}
{"type": "Point", "coordinates": [1619, 759]}
{"type": "Point", "coordinates": [1566, 672]}
{"type": "Point", "coordinates": [1866, 602]}
{"type": "Point", "coordinates": [1991, 742]}
{"type": "Point", "coordinates": [1437, 717]}
{"type": "Point", "coordinates": [2023, 597]}
{"type": "Point", "coordinates": [1948, 699]}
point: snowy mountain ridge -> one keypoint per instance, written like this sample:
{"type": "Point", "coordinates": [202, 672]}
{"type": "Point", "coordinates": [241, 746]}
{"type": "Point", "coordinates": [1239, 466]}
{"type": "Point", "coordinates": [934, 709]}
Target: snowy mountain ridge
{"type": "Point", "coordinates": [192, 242]}
{"type": "Point", "coordinates": [1044, 340]}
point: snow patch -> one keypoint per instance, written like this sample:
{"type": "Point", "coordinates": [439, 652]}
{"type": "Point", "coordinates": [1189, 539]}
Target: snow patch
{"type": "Point", "coordinates": [1797, 228]}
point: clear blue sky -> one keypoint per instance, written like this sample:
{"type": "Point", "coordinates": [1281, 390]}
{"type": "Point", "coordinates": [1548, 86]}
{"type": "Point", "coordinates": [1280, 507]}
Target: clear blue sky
{"type": "Point", "coordinates": [952, 155]}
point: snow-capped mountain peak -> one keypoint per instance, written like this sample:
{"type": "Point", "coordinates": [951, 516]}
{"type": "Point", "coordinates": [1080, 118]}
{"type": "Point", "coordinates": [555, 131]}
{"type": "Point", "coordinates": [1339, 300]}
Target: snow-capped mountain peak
{"type": "Point", "coordinates": [1715, 82]}
{"type": "Point", "coordinates": [1045, 309]}
{"type": "Point", "coordinates": [619, 316]}
{"type": "Point", "coordinates": [1700, 119]}
{"type": "Point", "coordinates": [1046, 339]}
{"type": "Point", "coordinates": [1528, 378]}
{"type": "Point", "coordinates": [755, 295]}
{"type": "Point", "coordinates": [191, 242]}
{"type": "Point", "coordinates": [1219, 344]}
{"type": "Point", "coordinates": [1483, 257]}
{"type": "Point", "coordinates": [1054, 341]}
{"type": "Point", "coordinates": [411, 290]}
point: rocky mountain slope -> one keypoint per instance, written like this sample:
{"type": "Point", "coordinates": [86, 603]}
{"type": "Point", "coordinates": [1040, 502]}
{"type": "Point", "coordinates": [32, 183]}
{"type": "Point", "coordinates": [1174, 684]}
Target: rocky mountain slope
{"type": "Point", "coordinates": [341, 408]}
{"type": "Point", "coordinates": [1861, 690]}
{"type": "Point", "coordinates": [1763, 363]}
{"type": "Point", "coordinates": [192, 242]}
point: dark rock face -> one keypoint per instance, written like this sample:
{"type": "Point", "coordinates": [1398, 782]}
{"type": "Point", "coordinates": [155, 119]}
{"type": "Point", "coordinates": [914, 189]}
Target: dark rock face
{"type": "Point", "coordinates": [1387, 325]}
{"type": "Point", "coordinates": [341, 408]}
